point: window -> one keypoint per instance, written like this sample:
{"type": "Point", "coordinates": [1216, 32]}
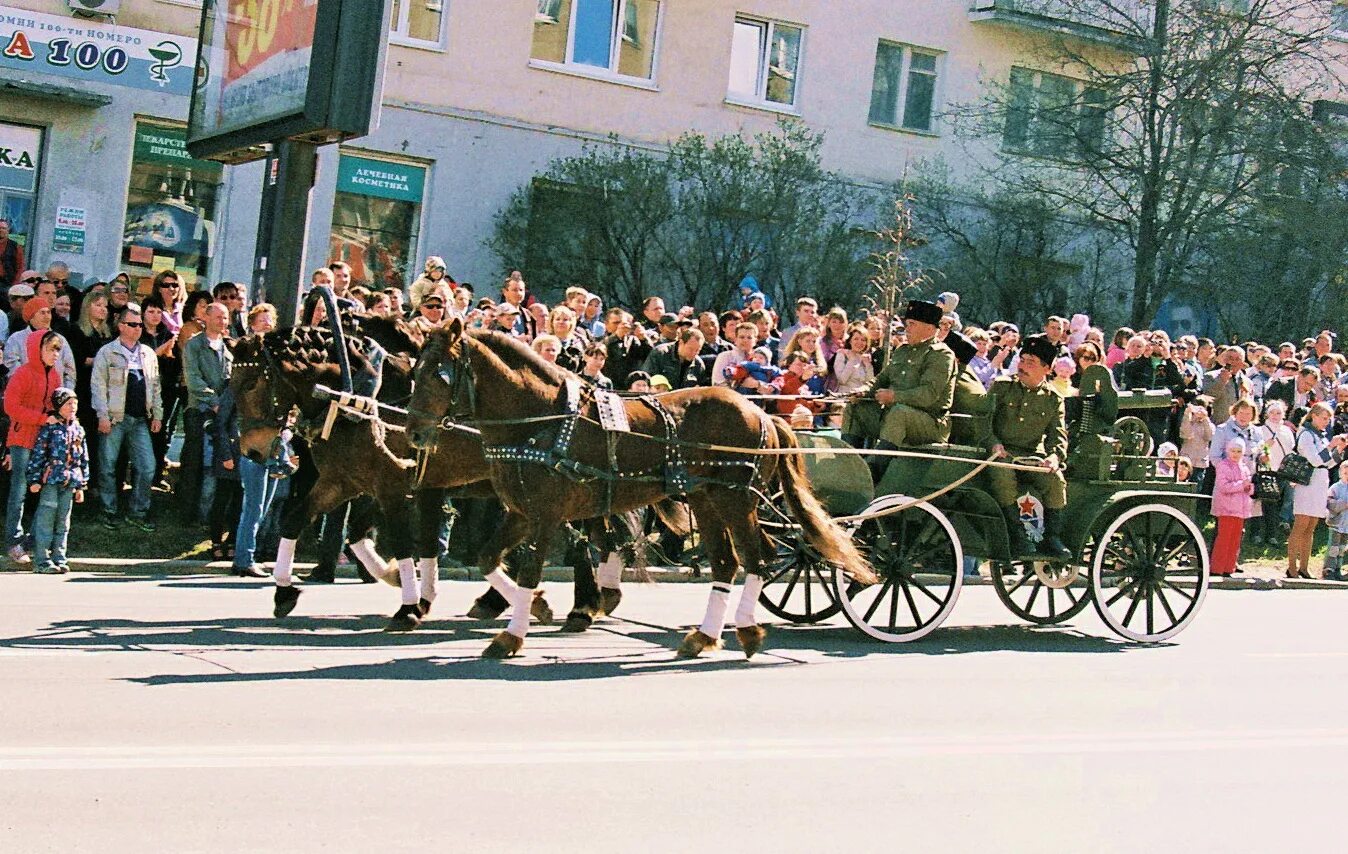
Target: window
{"type": "Point", "coordinates": [608, 37]}
{"type": "Point", "coordinates": [417, 22]}
{"type": "Point", "coordinates": [171, 206]}
{"type": "Point", "coordinates": [904, 91]}
{"type": "Point", "coordinates": [765, 62]}
{"type": "Point", "coordinates": [1053, 116]}
{"type": "Point", "coordinates": [376, 219]}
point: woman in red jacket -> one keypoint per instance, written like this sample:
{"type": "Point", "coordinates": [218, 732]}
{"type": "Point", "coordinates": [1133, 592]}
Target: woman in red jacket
{"type": "Point", "coordinates": [28, 405]}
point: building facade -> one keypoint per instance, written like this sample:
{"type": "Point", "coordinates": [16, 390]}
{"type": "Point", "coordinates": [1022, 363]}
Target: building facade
{"type": "Point", "coordinates": [480, 95]}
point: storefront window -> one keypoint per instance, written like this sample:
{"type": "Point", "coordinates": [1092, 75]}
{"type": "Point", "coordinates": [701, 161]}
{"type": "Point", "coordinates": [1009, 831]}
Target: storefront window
{"type": "Point", "coordinates": [376, 219]}
{"type": "Point", "coordinates": [20, 158]}
{"type": "Point", "coordinates": [170, 207]}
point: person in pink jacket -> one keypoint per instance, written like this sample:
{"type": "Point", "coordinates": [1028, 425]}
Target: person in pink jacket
{"type": "Point", "coordinates": [1232, 505]}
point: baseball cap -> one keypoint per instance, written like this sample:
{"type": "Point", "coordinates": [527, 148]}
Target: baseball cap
{"type": "Point", "coordinates": [670, 319]}
{"type": "Point", "coordinates": [21, 290]}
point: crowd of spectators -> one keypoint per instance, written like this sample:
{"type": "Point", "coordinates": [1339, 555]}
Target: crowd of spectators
{"type": "Point", "coordinates": [139, 371]}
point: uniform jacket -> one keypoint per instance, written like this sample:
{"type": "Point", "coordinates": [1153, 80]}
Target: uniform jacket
{"type": "Point", "coordinates": [969, 397]}
{"type": "Point", "coordinates": [107, 385]}
{"type": "Point", "coordinates": [206, 374]}
{"type": "Point", "coordinates": [60, 456]}
{"type": "Point", "coordinates": [28, 395]}
{"type": "Point", "coordinates": [1028, 420]}
{"type": "Point", "coordinates": [921, 376]}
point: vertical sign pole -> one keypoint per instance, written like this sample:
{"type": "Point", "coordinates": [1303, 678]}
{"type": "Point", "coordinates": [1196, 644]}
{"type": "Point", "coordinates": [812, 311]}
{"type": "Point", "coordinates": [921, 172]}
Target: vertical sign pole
{"type": "Point", "coordinates": [283, 225]}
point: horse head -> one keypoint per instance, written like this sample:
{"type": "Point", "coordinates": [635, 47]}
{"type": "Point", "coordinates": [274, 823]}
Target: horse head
{"type": "Point", "coordinates": [263, 398]}
{"type": "Point", "coordinates": [443, 385]}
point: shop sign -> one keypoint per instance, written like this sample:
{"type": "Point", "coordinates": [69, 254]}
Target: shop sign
{"type": "Point", "coordinates": [20, 148]}
{"type": "Point", "coordinates": [168, 145]}
{"type": "Point", "coordinates": [70, 229]}
{"type": "Point", "coordinates": [382, 178]}
{"type": "Point", "coordinates": [93, 51]}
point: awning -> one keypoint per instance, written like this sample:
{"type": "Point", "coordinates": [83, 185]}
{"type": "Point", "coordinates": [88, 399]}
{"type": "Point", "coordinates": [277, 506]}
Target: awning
{"type": "Point", "coordinates": [53, 92]}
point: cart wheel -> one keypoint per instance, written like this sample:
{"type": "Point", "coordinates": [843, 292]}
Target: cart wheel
{"type": "Point", "coordinates": [1041, 592]}
{"type": "Point", "coordinates": [798, 586]}
{"type": "Point", "coordinates": [1149, 573]}
{"type": "Point", "coordinates": [1134, 437]}
{"type": "Point", "coordinates": [918, 557]}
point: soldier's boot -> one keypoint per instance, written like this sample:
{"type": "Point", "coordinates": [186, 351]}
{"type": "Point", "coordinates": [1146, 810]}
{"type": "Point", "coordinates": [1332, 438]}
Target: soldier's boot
{"type": "Point", "coordinates": [1017, 542]}
{"type": "Point", "coordinates": [880, 464]}
{"type": "Point", "coordinates": [1052, 545]}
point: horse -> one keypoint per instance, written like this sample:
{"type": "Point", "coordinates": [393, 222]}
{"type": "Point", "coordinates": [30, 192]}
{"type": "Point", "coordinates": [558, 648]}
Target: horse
{"type": "Point", "coordinates": [552, 461]}
{"type": "Point", "coordinates": [277, 372]}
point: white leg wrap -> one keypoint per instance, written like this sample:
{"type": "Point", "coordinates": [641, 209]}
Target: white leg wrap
{"type": "Point", "coordinates": [746, 611]}
{"type": "Point", "coordinates": [520, 603]}
{"type": "Point", "coordinates": [369, 558]}
{"type": "Point", "coordinates": [503, 584]}
{"type": "Point", "coordinates": [717, 602]}
{"type": "Point", "coordinates": [285, 558]}
{"type": "Point", "coordinates": [407, 578]}
{"type": "Point", "coordinates": [610, 572]}
{"type": "Point", "coordinates": [430, 573]}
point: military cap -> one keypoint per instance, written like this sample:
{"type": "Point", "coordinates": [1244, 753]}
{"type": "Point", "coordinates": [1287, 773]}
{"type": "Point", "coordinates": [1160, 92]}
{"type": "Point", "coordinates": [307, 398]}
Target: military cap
{"type": "Point", "coordinates": [963, 347]}
{"type": "Point", "coordinates": [1040, 347]}
{"type": "Point", "coordinates": [924, 312]}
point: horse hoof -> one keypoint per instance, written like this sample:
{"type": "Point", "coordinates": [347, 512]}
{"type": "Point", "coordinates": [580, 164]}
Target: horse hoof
{"type": "Point", "coordinates": [577, 622]}
{"type": "Point", "coordinates": [483, 612]}
{"type": "Point", "coordinates": [424, 606]}
{"type": "Point", "coordinates": [389, 575]}
{"type": "Point", "coordinates": [695, 643]}
{"type": "Point", "coordinates": [609, 599]}
{"type": "Point", "coordinates": [504, 645]}
{"type": "Point", "coordinates": [751, 639]}
{"type": "Point", "coordinates": [405, 619]}
{"type": "Point", "coordinates": [284, 601]}
{"type": "Point", "coordinates": [540, 610]}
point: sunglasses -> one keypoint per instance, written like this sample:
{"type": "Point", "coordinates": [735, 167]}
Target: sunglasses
{"type": "Point", "coordinates": [121, 290]}
{"type": "Point", "coordinates": [168, 284]}
{"type": "Point", "coordinates": [33, 280]}
{"type": "Point", "coordinates": [59, 281]}
{"type": "Point", "coordinates": [433, 306]}
{"type": "Point", "coordinates": [134, 324]}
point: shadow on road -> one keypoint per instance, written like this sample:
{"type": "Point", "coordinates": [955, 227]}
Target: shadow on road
{"type": "Point", "coordinates": [1014, 637]}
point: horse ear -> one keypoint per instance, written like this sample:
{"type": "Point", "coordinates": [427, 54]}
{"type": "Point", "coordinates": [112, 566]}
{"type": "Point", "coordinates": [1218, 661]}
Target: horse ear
{"type": "Point", "coordinates": [455, 327]}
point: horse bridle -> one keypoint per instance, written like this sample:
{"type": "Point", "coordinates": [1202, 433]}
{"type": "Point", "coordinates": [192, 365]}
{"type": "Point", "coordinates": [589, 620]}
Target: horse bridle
{"type": "Point", "coordinates": [456, 372]}
{"type": "Point", "coordinates": [275, 415]}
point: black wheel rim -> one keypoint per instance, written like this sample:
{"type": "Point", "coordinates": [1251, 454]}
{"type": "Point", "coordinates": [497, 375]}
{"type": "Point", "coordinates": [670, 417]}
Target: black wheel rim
{"type": "Point", "coordinates": [1151, 576]}
{"type": "Point", "coordinates": [798, 584]}
{"type": "Point", "coordinates": [1026, 595]}
{"type": "Point", "coordinates": [915, 557]}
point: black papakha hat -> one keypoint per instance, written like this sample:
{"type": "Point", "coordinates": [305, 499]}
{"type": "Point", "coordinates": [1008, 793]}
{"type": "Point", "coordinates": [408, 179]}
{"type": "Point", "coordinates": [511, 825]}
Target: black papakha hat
{"type": "Point", "coordinates": [924, 312]}
{"type": "Point", "coordinates": [1040, 347]}
{"type": "Point", "coordinates": [963, 347]}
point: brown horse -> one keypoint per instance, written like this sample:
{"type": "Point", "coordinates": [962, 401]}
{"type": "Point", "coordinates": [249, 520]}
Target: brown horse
{"type": "Point", "coordinates": [278, 372]}
{"type": "Point", "coordinates": [551, 462]}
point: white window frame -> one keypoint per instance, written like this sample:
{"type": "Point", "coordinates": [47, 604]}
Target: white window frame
{"type": "Point", "coordinates": [619, 37]}
{"type": "Point", "coordinates": [759, 100]}
{"type": "Point", "coordinates": [1079, 88]}
{"type": "Point", "coordinates": [901, 100]}
{"type": "Point", "coordinates": [397, 32]}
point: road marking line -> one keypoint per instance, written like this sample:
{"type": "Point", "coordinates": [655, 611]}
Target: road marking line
{"type": "Point", "coordinates": [155, 757]}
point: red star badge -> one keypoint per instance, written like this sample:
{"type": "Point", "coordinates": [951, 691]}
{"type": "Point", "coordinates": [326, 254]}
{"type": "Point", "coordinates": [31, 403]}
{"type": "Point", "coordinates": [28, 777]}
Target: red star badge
{"type": "Point", "coordinates": [1026, 506]}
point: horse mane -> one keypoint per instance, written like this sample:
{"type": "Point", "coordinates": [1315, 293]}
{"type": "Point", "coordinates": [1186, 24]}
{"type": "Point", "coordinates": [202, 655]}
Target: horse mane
{"type": "Point", "coordinates": [519, 356]}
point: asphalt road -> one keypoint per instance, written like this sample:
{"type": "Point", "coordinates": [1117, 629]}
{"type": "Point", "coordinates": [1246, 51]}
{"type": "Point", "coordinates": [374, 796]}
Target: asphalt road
{"type": "Point", "coordinates": [173, 714]}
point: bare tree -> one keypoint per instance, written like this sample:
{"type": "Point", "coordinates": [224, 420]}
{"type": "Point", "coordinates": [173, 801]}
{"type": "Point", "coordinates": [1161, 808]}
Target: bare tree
{"type": "Point", "coordinates": [1163, 134]}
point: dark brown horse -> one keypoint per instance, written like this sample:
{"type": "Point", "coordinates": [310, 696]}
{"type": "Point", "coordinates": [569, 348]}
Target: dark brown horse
{"type": "Point", "coordinates": [278, 372]}
{"type": "Point", "coordinates": [551, 462]}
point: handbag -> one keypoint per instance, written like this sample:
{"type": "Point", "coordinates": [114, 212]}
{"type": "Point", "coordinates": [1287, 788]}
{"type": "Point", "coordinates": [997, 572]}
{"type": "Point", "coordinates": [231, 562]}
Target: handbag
{"type": "Point", "coordinates": [1295, 469]}
{"type": "Point", "coordinates": [1266, 485]}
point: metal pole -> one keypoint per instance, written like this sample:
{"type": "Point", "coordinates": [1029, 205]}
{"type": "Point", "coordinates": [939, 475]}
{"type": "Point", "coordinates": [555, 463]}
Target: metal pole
{"type": "Point", "coordinates": [283, 225]}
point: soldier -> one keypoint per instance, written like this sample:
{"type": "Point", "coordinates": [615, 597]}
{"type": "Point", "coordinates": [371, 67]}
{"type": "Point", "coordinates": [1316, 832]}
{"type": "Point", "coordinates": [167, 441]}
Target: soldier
{"type": "Point", "coordinates": [969, 395]}
{"type": "Point", "coordinates": [1028, 420]}
{"type": "Point", "coordinates": [908, 401]}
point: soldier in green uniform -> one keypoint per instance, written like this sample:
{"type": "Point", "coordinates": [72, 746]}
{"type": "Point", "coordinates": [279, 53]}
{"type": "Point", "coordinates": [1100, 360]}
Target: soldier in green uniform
{"type": "Point", "coordinates": [1028, 420]}
{"type": "Point", "coordinates": [908, 401]}
{"type": "Point", "coordinates": [968, 412]}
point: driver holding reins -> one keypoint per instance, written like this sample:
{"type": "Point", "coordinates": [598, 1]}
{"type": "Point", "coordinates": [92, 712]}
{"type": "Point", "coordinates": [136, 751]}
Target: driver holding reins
{"type": "Point", "coordinates": [1029, 420]}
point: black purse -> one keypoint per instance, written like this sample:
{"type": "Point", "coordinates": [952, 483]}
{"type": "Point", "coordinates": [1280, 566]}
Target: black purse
{"type": "Point", "coordinates": [1266, 485]}
{"type": "Point", "coordinates": [1295, 469]}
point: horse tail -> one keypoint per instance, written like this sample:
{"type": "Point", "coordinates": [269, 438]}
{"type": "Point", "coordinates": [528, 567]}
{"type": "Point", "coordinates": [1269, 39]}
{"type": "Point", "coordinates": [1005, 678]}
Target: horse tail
{"type": "Point", "coordinates": [821, 532]}
{"type": "Point", "coordinates": [675, 515]}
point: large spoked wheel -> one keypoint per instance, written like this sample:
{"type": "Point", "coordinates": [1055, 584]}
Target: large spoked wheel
{"type": "Point", "coordinates": [798, 586]}
{"type": "Point", "coordinates": [918, 557]}
{"type": "Point", "coordinates": [1041, 592]}
{"type": "Point", "coordinates": [1149, 573]}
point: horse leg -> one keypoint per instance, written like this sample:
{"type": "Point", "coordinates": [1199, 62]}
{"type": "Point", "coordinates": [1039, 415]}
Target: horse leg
{"type": "Point", "coordinates": [323, 497]}
{"type": "Point", "coordinates": [430, 509]}
{"type": "Point", "coordinates": [740, 513]}
{"type": "Point", "coordinates": [408, 616]}
{"type": "Point", "coordinates": [721, 556]}
{"type": "Point", "coordinates": [361, 524]}
{"type": "Point", "coordinates": [611, 568]}
{"type": "Point", "coordinates": [516, 529]}
{"type": "Point", "coordinates": [580, 556]}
